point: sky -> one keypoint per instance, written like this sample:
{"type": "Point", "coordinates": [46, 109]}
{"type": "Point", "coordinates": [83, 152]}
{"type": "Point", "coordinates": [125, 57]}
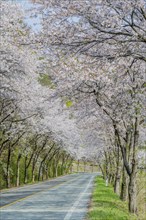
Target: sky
{"type": "Point", "coordinates": [33, 20]}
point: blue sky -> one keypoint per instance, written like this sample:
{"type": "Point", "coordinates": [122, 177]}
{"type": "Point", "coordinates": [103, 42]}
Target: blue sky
{"type": "Point", "coordinates": [34, 20]}
{"type": "Point", "coordinates": [31, 19]}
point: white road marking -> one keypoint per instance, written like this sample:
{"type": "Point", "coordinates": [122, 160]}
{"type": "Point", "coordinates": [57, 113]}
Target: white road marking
{"type": "Point", "coordinates": [70, 212]}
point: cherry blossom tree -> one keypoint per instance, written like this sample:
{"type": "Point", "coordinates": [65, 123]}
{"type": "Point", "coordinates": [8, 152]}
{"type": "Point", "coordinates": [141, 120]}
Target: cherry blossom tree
{"type": "Point", "coordinates": [30, 110]}
{"type": "Point", "coordinates": [107, 40]}
{"type": "Point", "coordinates": [75, 89]}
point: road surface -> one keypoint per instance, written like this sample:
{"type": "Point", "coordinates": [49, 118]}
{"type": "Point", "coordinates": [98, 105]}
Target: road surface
{"type": "Point", "coordinates": [64, 198]}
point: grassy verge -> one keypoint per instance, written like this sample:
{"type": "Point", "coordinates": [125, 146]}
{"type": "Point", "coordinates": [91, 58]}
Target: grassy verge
{"type": "Point", "coordinates": [106, 205]}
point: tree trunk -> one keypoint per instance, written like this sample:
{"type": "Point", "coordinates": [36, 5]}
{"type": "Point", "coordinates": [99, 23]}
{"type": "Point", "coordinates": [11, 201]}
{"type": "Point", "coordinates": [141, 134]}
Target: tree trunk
{"type": "Point", "coordinates": [78, 166]}
{"type": "Point", "coordinates": [40, 170]}
{"type": "Point", "coordinates": [43, 169]}
{"type": "Point", "coordinates": [8, 180]}
{"type": "Point", "coordinates": [106, 166]}
{"type": "Point", "coordinates": [110, 178]}
{"type": "Point", "coordinates": [33, 175]}
{"type": "Point", "coordinates": [47, 170]}
{"type": "Point", "coordinates": [92, 168]}
{"type": "Point", "coordinates": [56, 168]}
{"type": "Point", "coordinates": [18, 171]}
{"type": "Point", "coordinates": [124, 186]}
{"type": "Point", "coordinates": [51, 169]}
{"type": "Point", "coordinates": [118, 173]}
{"type": "Point", "coordinates": [113, 179]}
{"type": "Point", "coordinates": [103, 171]}
{"type": "Point", "coordinates": [62, 164]}
{"type": "Point", "coordinates": [33, 171]}
{"type": "Point", "coordinates": [132, 178]}
{"type": "Point", "coordinates": [132, 194]}
{"type": "Point", "coordinates": [71, 168]}
{"type": "Point", "coordinates": [25, 170]}
{"type": "Point", "coordinates": [56, 163]}
{"type": "Point", "coordinates": [84, 166]}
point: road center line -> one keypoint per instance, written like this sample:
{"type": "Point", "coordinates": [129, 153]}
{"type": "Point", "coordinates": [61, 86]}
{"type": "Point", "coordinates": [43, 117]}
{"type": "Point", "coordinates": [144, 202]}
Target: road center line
{"type": "Point", "coordinates": [70, 212]}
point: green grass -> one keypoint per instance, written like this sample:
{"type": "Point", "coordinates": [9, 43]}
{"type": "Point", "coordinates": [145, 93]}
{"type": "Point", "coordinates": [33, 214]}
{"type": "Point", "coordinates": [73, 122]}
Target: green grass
{"type": "Point", "coordinates": [106, 205]}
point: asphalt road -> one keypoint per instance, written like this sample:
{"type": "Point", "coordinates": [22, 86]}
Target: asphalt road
{"type": "Point", "coordinates": [64, 198]}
